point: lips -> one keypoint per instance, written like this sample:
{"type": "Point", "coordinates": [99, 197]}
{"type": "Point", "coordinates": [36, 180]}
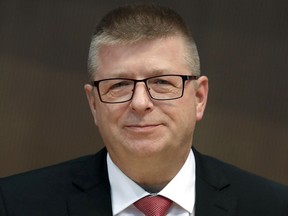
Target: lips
{"type": "Point", "coordinates": [143, 128]}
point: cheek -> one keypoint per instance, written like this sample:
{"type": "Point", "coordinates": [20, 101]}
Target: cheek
{"type": "Point", "coordinates": [108, 115]}
{"type": "Point", "coordinates": [182, 114]}
{"type": "Point", "coordinates": [187, 115]}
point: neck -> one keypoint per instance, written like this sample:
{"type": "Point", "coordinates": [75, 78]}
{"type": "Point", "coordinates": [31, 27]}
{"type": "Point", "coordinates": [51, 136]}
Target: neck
{"type": "Point", "coordinates": [154, 188]}
{"type": "Point", "coordinates": [153, 174]}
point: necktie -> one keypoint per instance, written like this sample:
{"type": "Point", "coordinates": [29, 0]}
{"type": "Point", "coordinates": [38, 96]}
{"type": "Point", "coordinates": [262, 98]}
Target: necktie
{"type": "Point", "coordinates": [153, 205]}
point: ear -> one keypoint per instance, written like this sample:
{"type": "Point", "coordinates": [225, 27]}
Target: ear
{"type": "Point", "coordinates": [89, 90]}
{"type": "Point", "coordinates": [201, 93]}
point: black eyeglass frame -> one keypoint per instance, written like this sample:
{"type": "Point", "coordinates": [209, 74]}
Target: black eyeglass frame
{"type": "Point", "coordinates": [184, 78]}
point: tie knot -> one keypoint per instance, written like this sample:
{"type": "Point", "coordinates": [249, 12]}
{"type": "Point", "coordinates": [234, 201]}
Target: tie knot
{"type": "Point", "coordinates": [153, 205]}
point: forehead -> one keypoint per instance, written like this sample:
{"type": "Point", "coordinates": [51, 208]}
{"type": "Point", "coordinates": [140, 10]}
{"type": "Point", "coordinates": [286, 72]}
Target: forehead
{"type": "Point", "coordinates": [159, 55]}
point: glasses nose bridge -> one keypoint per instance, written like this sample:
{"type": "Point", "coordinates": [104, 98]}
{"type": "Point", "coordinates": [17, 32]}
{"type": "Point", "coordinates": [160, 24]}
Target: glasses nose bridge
{"type": "Point", "coordinates": [139, 81]}
{"type": "Point", "coordinates": [147, 90]}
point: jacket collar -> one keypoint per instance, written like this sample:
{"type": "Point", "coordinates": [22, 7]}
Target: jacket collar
{"type": "Point", "coordinates": [212, 188]}
{"type": "Point", "coordinates": [92, 189]}
{"type": "Point", "coordinates": [92, 196]}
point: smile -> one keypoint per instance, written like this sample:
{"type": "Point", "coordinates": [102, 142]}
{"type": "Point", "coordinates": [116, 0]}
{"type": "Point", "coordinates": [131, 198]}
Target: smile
{"type": "Point", "coordinates": [143, 128]}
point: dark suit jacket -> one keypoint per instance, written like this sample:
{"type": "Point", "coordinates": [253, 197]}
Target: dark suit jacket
{"type": "Point", "coordinates": [81, 188]}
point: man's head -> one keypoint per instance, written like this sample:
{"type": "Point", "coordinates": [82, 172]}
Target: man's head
{"type": "Point", "coordinates": [140, 64]}
{"type": "Point", "coordinates": [134, 23]}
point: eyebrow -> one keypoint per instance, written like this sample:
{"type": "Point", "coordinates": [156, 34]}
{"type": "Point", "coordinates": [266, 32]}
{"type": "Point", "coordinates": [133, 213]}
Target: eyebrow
{"type": "Point", "coordinates": [125, 74]}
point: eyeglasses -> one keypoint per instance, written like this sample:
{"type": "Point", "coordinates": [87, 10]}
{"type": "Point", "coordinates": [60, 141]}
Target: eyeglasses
{"type": "Point", "coordinates": [120, 90]}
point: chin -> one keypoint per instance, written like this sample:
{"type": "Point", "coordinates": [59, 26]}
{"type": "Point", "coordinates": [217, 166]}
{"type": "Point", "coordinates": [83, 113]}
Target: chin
{"type": "Point", "coordinates": [146, 149]}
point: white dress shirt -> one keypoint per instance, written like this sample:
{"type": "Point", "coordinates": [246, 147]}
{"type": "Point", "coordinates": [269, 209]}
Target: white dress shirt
{"type": "Point", "coordinates": [181, 190]}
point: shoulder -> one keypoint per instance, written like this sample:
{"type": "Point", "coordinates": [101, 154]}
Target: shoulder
{"type": "Point", "coordinates": [58, 177]}
{"type": "Point", "coordinates": [47, 189]}
{"type": "Point", "coordinates": [62, 169]}
{"type": "Point", "coordinates": [248, 188]}
{"type": "Point", "coordinates": [41, 185]}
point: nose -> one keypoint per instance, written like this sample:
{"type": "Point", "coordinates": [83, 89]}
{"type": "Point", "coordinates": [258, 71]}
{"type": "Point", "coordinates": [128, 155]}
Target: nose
{"type": "Point", "coordinates": [141, 101]}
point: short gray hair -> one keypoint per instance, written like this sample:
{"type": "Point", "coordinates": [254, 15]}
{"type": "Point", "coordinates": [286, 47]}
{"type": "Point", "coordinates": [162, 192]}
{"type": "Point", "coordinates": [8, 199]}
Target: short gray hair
{"type": "Point", "coordinates": [133, 23]}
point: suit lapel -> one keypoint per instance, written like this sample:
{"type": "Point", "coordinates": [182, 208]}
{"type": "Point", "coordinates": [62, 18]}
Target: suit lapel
{"type": "Point", "coordinates": [92, 196]}
{"type": "Point", "coordinates": [92, 189]}
{"type": "Point", "coordinates": [95, 202]}
{"type": "Point", "coordinates": [212, 189]}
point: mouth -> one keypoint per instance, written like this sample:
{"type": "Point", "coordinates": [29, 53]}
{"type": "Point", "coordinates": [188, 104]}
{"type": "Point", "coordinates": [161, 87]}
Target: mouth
{"type": "Point", "coordinates": [143, 128]}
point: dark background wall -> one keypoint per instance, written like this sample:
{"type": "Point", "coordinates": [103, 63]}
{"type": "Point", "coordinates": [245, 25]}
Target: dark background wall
{"type": "Point", "coordinates": [44, 116]}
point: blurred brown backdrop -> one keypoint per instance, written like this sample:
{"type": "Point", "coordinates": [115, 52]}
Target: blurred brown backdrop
{"type": "Point", "coordinates": [44, 116]}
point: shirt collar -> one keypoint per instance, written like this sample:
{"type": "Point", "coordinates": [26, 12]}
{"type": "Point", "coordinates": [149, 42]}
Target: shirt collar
{"type": "Point", "coordinates": [181, 189]}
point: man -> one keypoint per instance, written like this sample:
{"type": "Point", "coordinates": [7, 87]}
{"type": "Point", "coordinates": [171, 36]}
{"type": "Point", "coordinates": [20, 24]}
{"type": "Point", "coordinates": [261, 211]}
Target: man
{"type": "Point", "coordinates": [146, 95]}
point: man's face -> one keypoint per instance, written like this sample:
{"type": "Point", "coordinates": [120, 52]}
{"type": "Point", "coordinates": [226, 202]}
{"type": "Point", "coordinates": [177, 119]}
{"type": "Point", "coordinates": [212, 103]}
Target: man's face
{"type": "Point", "coordinates": [144, 127]}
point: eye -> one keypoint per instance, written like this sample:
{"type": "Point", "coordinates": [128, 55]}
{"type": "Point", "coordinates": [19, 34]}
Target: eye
{"type": "Point", "coordinates": [120, 84]}
{"type": "Point", "coordinates": [161, 82]}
